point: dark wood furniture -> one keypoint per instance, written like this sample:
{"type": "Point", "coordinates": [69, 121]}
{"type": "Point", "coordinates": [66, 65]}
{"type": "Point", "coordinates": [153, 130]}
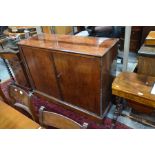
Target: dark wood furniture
{"type": "Point", "coordinates": [48, 118]}
{"type": "Point", "coordinates": [146, 60]}
{"type": "Point", "coordinates": [135, 88]}
{"type": "Point", "coordinates": [12, 119]}
{"type": "Point", "coordinates": [17, 66]}
{"type": "Point", "coordinates": [135, 39]}
{"type": "Point", "coordinates": [73, 72]}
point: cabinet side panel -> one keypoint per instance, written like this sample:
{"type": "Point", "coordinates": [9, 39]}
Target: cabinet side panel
{"type": "Point", "coordinates": [108, 74]}
{"type": "Point", "coordinates": [42, 71]}
{"type": "Point", "coordinates": [79, 80]}
{"type": "Point", "coordinates": [146, 65]}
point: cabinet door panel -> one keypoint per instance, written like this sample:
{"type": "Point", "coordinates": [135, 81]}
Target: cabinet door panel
{"type": "Point", "coordinates": [79, 79]}
{"type": "Point", "coordinates": [40, 64]}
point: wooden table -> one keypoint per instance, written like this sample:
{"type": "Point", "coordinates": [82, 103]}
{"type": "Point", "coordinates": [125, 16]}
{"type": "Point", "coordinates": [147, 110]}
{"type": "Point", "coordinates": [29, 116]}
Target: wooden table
{"type": "Point", "coordinates": [12, 119]}
{"type": "Point", "coordinates": [134, 87]}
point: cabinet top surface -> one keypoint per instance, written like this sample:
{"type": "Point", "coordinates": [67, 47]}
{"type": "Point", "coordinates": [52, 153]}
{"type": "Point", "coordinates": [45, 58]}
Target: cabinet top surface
{"type": "Point", "coordinates": [95, 46]}
{"type": "Point", "coordinates": [147, 50]}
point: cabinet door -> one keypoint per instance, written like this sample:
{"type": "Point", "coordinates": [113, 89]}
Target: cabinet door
{"type": "Point", "coordinates": [79, 79]}
{"type": "Point", "coordinates": [41, 70]}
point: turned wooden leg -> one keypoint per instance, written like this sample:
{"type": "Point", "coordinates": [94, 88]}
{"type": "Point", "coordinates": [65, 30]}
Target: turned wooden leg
{"type": "Point", "coordinates": [118, 110]}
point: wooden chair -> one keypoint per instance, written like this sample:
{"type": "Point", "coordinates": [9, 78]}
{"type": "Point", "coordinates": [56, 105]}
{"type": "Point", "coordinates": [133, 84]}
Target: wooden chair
{"type": "Point", "coordinates": [47, 118]}
{"type": "Point", "coordinates": [21, 99]}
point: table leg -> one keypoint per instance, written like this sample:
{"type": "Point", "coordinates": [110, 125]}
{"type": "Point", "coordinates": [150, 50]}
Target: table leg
{"type": "Point", "coordinates": [118, 110]}
{"type": "Point", "coordinates": [8, 69]}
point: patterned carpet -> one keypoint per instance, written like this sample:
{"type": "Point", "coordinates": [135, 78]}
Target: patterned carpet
{"type": "Point", "coordinates": [106, 124]}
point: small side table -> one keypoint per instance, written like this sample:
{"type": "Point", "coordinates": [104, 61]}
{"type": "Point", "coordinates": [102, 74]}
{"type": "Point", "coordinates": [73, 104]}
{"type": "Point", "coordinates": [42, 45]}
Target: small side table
{"type": "Point", "coordinates": [133, 87]}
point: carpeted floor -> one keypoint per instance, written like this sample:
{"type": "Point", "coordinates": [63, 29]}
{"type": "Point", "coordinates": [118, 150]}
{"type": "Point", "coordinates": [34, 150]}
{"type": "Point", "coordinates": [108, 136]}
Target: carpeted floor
{"type": "Point", "coordinates": [37, 102]}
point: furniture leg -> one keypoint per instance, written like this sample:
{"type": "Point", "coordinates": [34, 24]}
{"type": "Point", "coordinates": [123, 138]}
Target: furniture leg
{"type": "Point", "coordinates": [8, 69]}
{"type": "Point", "coordinates": [118, 110]}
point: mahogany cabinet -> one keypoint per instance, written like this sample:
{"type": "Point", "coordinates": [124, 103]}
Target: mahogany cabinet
{"type": "Point", "coordinates": [71, 71]}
